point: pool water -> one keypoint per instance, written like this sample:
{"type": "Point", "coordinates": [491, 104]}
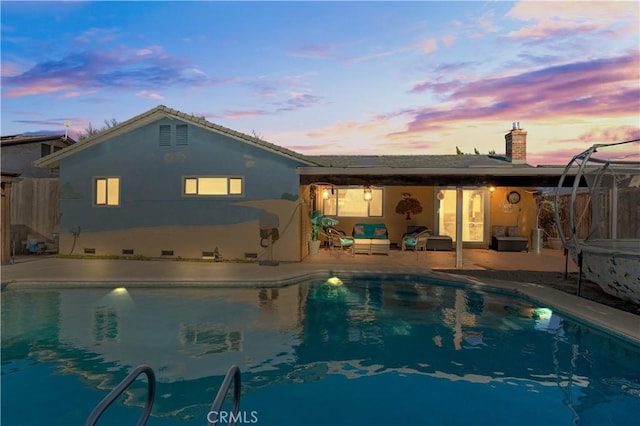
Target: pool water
{"type": "Point", "coordinates": [376, 350]}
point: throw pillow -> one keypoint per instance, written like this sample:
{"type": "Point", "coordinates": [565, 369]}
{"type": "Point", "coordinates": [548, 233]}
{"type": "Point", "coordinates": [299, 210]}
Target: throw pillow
{"type": "Point", "coordinates": [379, 232]}
{"type": "Point", "coordinates": [499, 231]}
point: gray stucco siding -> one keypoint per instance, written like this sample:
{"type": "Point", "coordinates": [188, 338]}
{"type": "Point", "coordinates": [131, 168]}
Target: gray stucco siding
{"type": "Point", "coordinates": [19, 159]}
{"type": "Point", "coordinates": [151, 180]}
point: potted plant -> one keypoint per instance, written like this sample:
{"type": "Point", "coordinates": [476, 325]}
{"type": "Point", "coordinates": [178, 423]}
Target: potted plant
{"type": "Point", "coordinates": [318, 221]}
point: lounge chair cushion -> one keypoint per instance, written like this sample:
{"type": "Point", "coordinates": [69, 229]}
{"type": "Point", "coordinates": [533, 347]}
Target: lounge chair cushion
{"type": "Point", "coordinates": [410, 240]}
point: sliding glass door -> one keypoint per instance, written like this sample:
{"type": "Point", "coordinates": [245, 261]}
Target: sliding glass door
{"type": "Point", "coordinates": [475, 204]}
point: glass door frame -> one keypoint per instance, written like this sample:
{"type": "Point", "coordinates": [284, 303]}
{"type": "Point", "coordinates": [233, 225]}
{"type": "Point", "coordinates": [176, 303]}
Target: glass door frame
{"type": "Point", "coordinates": [452, 193]}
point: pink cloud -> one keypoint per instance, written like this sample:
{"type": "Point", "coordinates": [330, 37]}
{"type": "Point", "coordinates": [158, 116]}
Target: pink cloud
{"type": "Point", "coordinates": [44, 86]}
{"type": "Point", "coordinates": [149, 95]}
{"type": "Point", "coordinates": [598, 88]}
{"type": "Point", "coordinates": [566, 19]}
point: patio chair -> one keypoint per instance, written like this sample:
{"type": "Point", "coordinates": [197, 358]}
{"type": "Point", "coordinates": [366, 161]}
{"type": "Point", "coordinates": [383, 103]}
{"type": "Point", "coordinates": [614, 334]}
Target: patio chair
{"type": "Point", "coordinates": [416, 240]}
{"type": "Point", "coordinates": [339, 240]}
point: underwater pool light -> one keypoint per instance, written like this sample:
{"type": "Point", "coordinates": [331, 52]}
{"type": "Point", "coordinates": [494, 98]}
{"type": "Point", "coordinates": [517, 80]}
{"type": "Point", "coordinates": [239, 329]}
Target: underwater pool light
{"type": "Point", "coordinates": [334, 281]}
{"type": "Point", "coordinates": [543, 313]}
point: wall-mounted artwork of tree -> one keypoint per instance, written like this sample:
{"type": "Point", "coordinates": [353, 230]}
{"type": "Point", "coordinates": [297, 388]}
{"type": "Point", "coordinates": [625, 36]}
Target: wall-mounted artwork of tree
{"type": "Point", "coordinates": [408, 205]}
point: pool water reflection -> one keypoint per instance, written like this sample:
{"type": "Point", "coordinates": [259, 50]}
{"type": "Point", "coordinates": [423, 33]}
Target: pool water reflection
{"type": "Point", "coordinates": [401, 351]}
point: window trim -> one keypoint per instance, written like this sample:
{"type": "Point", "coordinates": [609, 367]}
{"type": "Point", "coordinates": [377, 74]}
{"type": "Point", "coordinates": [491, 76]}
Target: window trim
{"type": "Point", "coordinates": [106, 179]}
{"type": "Point", "coordinates": [229, 179]}
{"type": "Point", "coordinates": [336, 191]}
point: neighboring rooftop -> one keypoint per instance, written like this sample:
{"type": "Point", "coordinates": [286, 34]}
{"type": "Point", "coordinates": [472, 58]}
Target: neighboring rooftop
{"type": "Point", "coordinates": [25, 139]}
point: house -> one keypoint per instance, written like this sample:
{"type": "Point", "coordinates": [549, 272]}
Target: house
{"type": "Point", "coordinates": [34, 195]}
{"type": "Point", "coordinates": [169, 184]}
{"type": "Point", "coordinates": [20, 151]}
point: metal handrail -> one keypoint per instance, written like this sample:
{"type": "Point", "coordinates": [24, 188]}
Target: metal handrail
{"type": "Point", "coordinates": [232, 374]}
{"type": "Point", "coordinates": [117, 391]}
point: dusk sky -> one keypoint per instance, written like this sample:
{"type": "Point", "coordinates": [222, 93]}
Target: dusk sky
{"type": "Point", "coordinates": [334, 77]}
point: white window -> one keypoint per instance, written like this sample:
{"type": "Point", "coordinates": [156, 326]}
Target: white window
{"type": "Point", "coordinates": [107, 191]}
{"type": "Point", "coordinates": [213, 186]}
{"type": "Point", "coordinates": [350, 202]}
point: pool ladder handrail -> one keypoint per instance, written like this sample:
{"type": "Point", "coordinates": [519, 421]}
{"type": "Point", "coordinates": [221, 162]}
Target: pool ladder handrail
{"type": "Point", "coordinates": [117, 391]}
{"type": "Point", "coordinates": [233, 374]}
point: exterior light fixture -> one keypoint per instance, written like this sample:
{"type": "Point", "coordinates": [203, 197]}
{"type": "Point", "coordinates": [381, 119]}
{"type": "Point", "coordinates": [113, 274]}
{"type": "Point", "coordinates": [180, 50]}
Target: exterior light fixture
{"type": "Point", "coordinates": [367, 193]}
{"type": "Point", "coordinates": [492, 188]}
{"type": "Point", "coordinates": [325, 193]}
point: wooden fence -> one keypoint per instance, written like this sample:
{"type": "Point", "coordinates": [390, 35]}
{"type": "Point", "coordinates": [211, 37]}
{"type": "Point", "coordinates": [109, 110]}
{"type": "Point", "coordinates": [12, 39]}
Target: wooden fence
{"type": "Point", "coordinates": [34, 212]}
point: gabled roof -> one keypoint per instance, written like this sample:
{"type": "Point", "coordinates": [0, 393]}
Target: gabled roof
{"type": "Point", "coordinates": [27, 139]}
{"type": "Point", "coordinates": [156, 113]}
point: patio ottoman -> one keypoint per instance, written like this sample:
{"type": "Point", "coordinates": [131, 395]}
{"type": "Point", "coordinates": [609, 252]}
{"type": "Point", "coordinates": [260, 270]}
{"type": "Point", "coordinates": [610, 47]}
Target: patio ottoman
{"type": "Point", "coordinates": [439, 242]}
{"type": "Point", "coordinates": [362, 245]}
{"type": "Point", "coordinates": [380, 246]}
{"type": "Point", "coordinates": [510, 244]}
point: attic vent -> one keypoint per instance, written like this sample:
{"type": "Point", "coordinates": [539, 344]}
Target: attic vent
{"type": "Point", "coordinates": [89, 251]}
{"type": "Point", "coordinates": [182, 136]}
{"type": "Point", "coordinates": [165, 135]}
{"type": "Point", "coordinates": [166, 253]}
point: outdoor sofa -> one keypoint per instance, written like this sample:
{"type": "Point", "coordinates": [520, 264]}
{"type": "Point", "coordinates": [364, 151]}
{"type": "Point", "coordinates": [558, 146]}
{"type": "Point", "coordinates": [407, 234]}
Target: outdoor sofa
{"type": "Point", "coordinates": [371, 238]}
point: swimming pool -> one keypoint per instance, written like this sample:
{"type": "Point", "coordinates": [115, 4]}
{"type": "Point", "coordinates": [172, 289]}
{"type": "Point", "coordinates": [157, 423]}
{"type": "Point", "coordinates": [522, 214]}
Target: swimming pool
{"type": "Point", "coordinates": [395, 350]}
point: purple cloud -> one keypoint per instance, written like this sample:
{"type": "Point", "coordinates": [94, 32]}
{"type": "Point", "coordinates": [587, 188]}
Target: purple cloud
{"type": "Point", "coordinates": [119, 69]}
{"type": "Point", "coordinates": [298, 101]}
{"type": "Point", "coordinates": [602, 87]}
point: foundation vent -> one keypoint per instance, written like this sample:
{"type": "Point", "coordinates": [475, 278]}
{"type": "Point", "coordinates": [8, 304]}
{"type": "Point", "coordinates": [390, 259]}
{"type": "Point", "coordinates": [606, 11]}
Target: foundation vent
{"type": "Point", "coordinates": [89, 251]}
{"type": "Point", "coordinates": [166, 253]}
{"type": "Point", "coordinates": [127, 251]}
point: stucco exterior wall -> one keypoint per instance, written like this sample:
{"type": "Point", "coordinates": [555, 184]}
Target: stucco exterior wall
{"type": "Point", "coordinates": [19, 159]}
{"type": "Point", "coordinates": [154, 215]}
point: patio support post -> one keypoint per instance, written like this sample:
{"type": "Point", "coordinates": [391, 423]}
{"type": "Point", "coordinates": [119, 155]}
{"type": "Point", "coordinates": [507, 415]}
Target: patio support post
{"type": "Point", "coordinates": [459, 227]}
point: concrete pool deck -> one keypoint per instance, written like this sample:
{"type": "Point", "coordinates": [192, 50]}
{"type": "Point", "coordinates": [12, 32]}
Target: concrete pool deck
{"type": "Point", "coordinates": [493, 268]}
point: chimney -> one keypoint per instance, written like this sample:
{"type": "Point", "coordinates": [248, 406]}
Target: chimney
{"type": "Point", "coordinates": [516, 144]}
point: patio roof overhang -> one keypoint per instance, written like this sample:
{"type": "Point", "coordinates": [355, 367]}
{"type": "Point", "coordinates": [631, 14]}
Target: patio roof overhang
{"type": "Point", "coordinates": [480, 176]}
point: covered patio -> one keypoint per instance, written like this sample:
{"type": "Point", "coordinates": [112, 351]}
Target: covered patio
{"type": "Point", "coordinates": [491, 186]}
